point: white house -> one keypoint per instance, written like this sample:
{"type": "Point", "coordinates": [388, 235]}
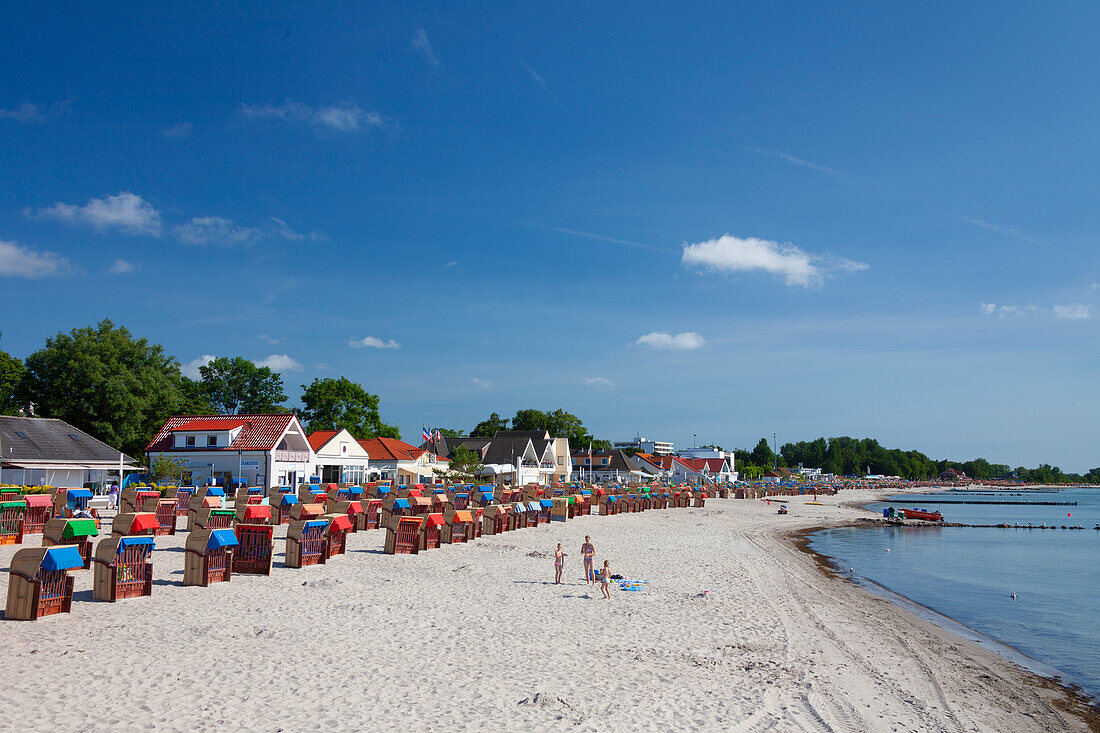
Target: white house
{"type": "Point", "coordinates": [339, 457]}
{"type": "Point", "coordinates": [38, 451]}
{"type": "Point", "coordinates": [260, 450]}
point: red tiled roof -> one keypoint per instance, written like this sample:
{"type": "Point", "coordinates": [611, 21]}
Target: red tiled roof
{"type": "Point", "coordinates": [390, 449]}
{"type": "Point", "coordinates": [259, 432]}
{"type": "Point", "coordinates": [319, 437]}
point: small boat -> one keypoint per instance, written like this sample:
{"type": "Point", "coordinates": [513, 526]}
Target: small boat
{"type": "Point", "coordinates": [922, 514]}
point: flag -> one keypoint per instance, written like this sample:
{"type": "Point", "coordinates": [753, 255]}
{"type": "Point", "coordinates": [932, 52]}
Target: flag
{"type": "Point", "coordinates": [424, 434]}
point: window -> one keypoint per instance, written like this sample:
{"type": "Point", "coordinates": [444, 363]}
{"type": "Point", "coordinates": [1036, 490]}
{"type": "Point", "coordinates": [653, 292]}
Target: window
{"type": "Point", "coordinates": [211, 440]}
{"type": "Point", "coordinates": [604, 461]}
{"type": "Point", "coordinates": [74, 436]}
{"type": "Point", "coordinates": [588, 461]}
{"type": "Point", "coordinates": [190, 442]}
{"type": "Point", "coordinates": [20, 433]}
{"type": "Point", "coordinates": [561, 461]}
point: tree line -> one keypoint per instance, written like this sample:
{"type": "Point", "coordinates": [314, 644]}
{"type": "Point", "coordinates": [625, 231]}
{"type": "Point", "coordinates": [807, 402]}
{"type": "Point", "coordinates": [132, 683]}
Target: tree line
{"type": "Point", "coordinates": [847, 456]}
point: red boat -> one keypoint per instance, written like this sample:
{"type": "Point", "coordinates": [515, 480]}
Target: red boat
{"type": "Point", "coordinates": [921, 514]}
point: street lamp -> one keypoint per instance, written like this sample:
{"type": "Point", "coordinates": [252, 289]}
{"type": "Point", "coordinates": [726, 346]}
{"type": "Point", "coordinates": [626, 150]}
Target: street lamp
{"type": "Point", "coordinates": [693, 437]}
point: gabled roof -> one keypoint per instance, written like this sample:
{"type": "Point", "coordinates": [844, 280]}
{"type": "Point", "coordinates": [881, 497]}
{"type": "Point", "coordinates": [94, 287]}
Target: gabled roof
{"type": "Point", "coordinates": [49, 439]}
{"type": "Point", "coordinates": [258, 432]}
{"type": "Point", "coordinates": [318, 438]}
{"type": "Point", "coordinates": [712, 465]}
{"type": "Point", "coordinates": [390, 449]}
{"type": "Point", "coordinates": [532, 434]}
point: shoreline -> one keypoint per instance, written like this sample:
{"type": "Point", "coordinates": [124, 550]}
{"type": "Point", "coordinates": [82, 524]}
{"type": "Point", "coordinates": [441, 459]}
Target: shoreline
{"type": "Point", "coordinates": [1076, 700]}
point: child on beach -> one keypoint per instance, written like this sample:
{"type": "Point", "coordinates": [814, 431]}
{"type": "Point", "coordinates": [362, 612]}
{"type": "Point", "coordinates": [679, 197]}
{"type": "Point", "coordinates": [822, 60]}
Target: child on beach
{"type": "Point", "coordinates": [559, 564]}
{"type": "Point", "coordinates": [588, 552]}
{"type": "Point", "coordinates": [605, 579]}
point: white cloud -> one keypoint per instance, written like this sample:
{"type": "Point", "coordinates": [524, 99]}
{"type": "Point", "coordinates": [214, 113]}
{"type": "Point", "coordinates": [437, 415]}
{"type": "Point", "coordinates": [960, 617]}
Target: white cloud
{"type": "Point", "coordinates": [600, 381]}
{"type": "Point", "coordinates": [280, 363]}
{"type": "Point", "coordinates": [1094, 286]}
{"type": "Point", "coordinates": [799, 161]}
{"type": "Point", "coordinates": [126, 211]}
{"type": "Point", "coordinates": [1002, 230]}
{"type": "Point", "coordinates": [992, 309]}
{"type": "Point", "coordinates": [687, 341]}
{"type": "Point", "coordinates": [452, 263]}
{"type": "Point", "coordinates": [374, 343]}
{"type": "Point", "coordinates": [19, 261]}
{"type": "Point", "coordinates": [343, 117]}
{"type": "Point", "coordinates": [180, 129]}
{"type": "Point", "coordinates": [122, 267]}
{"type": "Point", "coordinates": [28, 112]}
{"type": "Point", "coordinates": [483, 383]}
{"type": "Point", "coordinates": [191, 368]}
{"type": "Point", "coordinates": [734, 254]}
{"type": "Point", "coordinates": [423, 46]}
{"type": "Point", "coordinates": [269, 339]}
{"type": "Point", "coordinates": [1074, 311]}
{"type": "Point", "coordinates": [217, 231]}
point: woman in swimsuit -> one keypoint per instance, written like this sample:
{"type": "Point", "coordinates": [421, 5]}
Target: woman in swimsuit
{"type": "Point", "coordinates": [559, 564]}
{"type": "Point", "coordinates": [605, 579]}
{"type": "Point", "coordinates": [588, 552]}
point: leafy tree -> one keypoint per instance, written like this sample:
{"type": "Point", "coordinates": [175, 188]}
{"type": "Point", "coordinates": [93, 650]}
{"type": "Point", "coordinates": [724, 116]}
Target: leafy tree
{"type": "Point", "coordinates": [488, 428]}
{"type": "Point", "coordinates": [238, 386]}
{"type": "Point", "coordinates": [602, 445]}
{"type": "Point", "coordinates": [105, 382]}
{"type": "Point", "coordinates": [331, 404]}
{"type": "Point", "coordinates": [11, 376]}
{"type": "Point", "coordinates": [194, 399]}
{"type": "Point", "coordinates": [762, 454]}
{"type": "Point", "coordinates": [168, 468]}
{"type": "Point", "coordinates": [465, 463]}
{"type": "Point", "coordinates": [449, 433]}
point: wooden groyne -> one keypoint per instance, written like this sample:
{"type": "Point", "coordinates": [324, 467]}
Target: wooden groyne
{"type": "Point", "coordinates": [884, 521]}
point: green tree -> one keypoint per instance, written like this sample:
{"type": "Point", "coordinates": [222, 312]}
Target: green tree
{"type": "Point", "coordinates": [194, 399]}
{"type": "Point", "coordinates": [331, 404]}
{"type": "Point", "coordinates": [559, 423]}
{"type": "Point", "coordinates": [237, 386]}
{"type": "Point", "coordinates": [11, 377]}
{"type": "Point", "coordinates": [488, 428]}
{"type": "Point", "coordinates": [449, 433]}
{"type": "Point", "coordinates": [106, 382]}
{"type": "Point", "coordinates": [167, 469]}
{"type": "Point", "coordinates": [762, 454]}
{"type": "Point", "coordinates": [465, 464]}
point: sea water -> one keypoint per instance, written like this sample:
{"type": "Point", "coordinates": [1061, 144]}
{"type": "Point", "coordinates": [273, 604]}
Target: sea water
{"type": "Point", "coordinates": [971, 574]}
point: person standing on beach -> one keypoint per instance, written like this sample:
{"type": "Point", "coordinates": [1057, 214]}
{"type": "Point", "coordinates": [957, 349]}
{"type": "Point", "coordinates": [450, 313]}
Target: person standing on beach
{"type": "Point", "coordinates": [559, 564]}
{"type": "Point", "coordinates": [605, 579]}
{"type": "Point", "coordinates": [588, 552]}
{"type": "Point", "coordinates": [112, 495]}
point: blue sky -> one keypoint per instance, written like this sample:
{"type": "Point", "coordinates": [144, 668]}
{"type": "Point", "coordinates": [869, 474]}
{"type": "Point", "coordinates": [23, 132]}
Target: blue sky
{"type": "Point", "coordinates": [716, 219]}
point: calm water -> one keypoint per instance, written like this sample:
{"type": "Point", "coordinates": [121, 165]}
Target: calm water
{"type": "Point", "coordinates": [970, 574]}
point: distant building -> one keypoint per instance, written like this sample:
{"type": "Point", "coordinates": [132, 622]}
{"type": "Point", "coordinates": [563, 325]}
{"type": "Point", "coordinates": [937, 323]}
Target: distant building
{"type": "Point", "coordinates": [258, 450]}
{"type": "Point", "coordinates": [514, 456]}
{"type": "Point", "coordinates": [340, 458]}
{"type": "Point", "coordinates": [402, 462]}
{"type": "Point", "coordinates": [645, 445]}
{"type": "Point", "coordinates": [612, 466]}
{"type": "Point", "coordinates": [953, 474]}
{"type": "Point", "coordinates": [42, 451]}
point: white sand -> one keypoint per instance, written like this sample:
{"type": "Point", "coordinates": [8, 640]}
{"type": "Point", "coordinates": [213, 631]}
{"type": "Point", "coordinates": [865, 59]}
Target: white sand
{"type": "Point", "coordinates": [475, 636]}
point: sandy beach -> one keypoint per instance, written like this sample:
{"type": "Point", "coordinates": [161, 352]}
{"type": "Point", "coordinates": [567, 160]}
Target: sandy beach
{"type": "Point", "coordinates": [736, 630]}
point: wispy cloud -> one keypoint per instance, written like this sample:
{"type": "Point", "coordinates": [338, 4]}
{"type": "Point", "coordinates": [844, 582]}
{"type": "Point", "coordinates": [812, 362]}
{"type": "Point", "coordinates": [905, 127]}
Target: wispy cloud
{"type": "Point", "coordinates": [222, 232]}
{"type": "Point", "coordinates": [1094, 286]}
{"type": "Point", "coordinates": [280, 363]}
{"type": "Point", "coordinates": [600, 381]}
{"type": "Point", "coordinates": [1001, 311]}
{"type": "Point", "coordinates": [797, 267]}
{"type": "Point", "coordinates": [122, 267]}
{"type": "Point", "coordinates": [191, 368]}
{"type": "Point", "coordinates": [423, 46]}
{"type": "Point", "coordinates": [687, 341]}
{"type": "Point", "coordinates": [1074, 311]}
{"type": "Point", "coordinates": [800, 162]}
{"type": "Point", "coordinates": [597, 237]}
{"type": "Point", "coordinates": [371, 342]}
{"type": "Point", "coordinates": [452, 263]}
{"type": "Point", "coordinates": [343, 117]}
{"type": "Point", "coordinates": [180, 129]}
{"type": "Point", "coordinates": [483, 383]}
{"type": "Point", "coordinates": [33, 113]}
{"type": "Point", "coordinates": [269, 339]}
{"type": "Point", "coordinates": [538, 78]}
{"type": "Point", "coordinates": [19, 261]}
{"type": "Point", "coordinates": [127, 211]}
{"type": "Point", "coordinates": [1002, 230]}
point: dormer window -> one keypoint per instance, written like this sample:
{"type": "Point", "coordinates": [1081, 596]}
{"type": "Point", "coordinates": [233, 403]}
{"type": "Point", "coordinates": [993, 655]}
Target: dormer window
{"type": "Point", "coordinates": [190, 441]}
{"type": "Point", "coordinates": [211, 441]}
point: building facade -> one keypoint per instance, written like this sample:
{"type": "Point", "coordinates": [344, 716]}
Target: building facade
{"type": "Point", "coordinates": [338, 457]}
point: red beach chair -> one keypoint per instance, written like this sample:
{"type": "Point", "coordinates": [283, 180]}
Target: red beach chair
{"type": "Point", "coordinates": [39, 511]}
{"type": "Point", "coordinates": [254, 549]}
{"type": "Point", "coordinates": [403, 535]}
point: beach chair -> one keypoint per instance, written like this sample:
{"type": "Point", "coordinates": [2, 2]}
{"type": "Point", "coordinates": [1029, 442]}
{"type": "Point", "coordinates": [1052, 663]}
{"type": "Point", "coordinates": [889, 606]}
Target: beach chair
{"type": "Point", "coordinates": [122, 568]}
{"type": "Point", "coordinates": [305, 542]}
{"type": "Point", "coordinates": [353, 510]}
{"type": "Point", "coordinates": [39, 511]}
{"type": "Point", "coordinates": [67, 502]}
{"type": "Point", "coordinates": [183, 496]}
{"type": "Point", "coordinates": [165, 511]}
{"type": "Point", "coordinates": [134, 524]}
{"type": "Point", "coordinates": [255, 549]}
{"type": "Point", "coordinates": [421, 505]}
{"type": "Point", "coordinates": [333, 495]}
{"type": "Point", "coordinates": [281, 506]}
{"type": "Point", "coordinates": [11, 493]}
{"type": "Point", "coordinates": [545, 505]}
{"type": "Point", "coordinates": [303, 512]}
{"type": "Point", "coordinates": [207, 497]}
{"type": "Point", "coordinates": [76, 533]}
{"type": "Point", "coordinates": [481, 499]}
{"type": "Point", "coordinates": [475, 530]}
{"type": "Point", "coordinates": [248, 495]}
{"type": "Point", "coordinates": [311, 494]}
{"type": "Point", "coordinates": [431, 531]}
{"type": "Point", "coordinates": [494, 520]}
{"type": "Point", "coordinates": [395, 506]}
{"type": "Point", "coordinates": [518, 515]}
{"type": "Point", "coordinates": [559, 512]}
{"type": "Point", "coordinates": [208, 556]}
{"type": "Point", "coordinates": [39, 583]}
{"type": "Point", "coordinates": [403, 535]}
{"type": "Point", "coordinates": [699, 499]}
{"type": "Point", "coordinates": [440, 502]}
{"type": "Point", "coordinates": [461, 500]}
{"type": "Point", "coordinates": [459, 527]}
{"type": "Point", "coordinates": [336, 536]}
{"type": "Point", "coordinates": [210, 518]}
{"type": "Point", "coordinates": [533, 510]}
{"type": "Point", "coordinates": [372, 514]}
{"type": "Point", "coordinates": [133, 499]}
{"type": "Point", "coordinates": [253, 513]}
